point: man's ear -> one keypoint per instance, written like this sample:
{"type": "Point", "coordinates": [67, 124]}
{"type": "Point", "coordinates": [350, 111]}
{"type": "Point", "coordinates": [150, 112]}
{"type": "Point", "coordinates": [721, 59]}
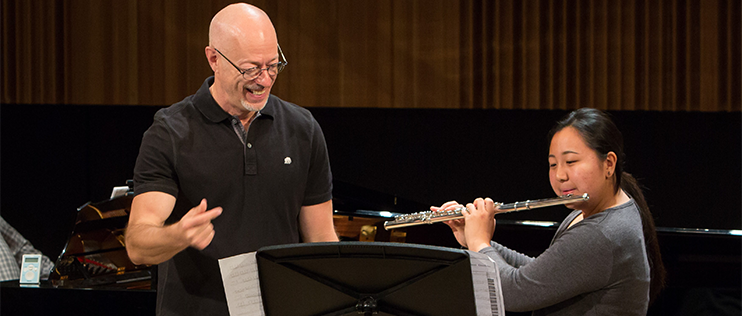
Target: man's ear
{"type": "Point", "coordinates": [211, 57]}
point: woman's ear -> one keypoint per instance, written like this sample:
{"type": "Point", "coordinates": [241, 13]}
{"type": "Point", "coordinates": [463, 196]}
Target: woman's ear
{"type": "Point", "coordinates": [610, 164]}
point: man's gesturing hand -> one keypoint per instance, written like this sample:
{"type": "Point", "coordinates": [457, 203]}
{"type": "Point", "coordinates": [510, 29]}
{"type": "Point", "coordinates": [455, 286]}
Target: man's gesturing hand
{"type": "Point", "coordinates": [196, 225]}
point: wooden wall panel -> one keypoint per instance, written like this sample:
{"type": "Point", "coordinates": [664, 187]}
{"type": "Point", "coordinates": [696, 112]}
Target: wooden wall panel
{"type": "Point", "coordinates": [665, 55]}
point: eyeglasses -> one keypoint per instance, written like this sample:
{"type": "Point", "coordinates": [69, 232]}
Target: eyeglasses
{"type": "Point", "coordinates": [254, 72]}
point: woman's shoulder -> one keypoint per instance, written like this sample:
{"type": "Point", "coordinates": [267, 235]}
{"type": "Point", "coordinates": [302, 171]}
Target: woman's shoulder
{"type": "Point", "coordinates": [623, 214]}
{"type": "Point", "coordinates": [620, 224]}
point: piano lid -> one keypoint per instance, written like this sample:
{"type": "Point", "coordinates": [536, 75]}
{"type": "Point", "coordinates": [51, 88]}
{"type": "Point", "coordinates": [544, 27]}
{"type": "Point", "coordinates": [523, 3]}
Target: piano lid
{"type": "Point", "coordinates": [351, 199]}
{"type": "Point", "coordinates": [95, 252]}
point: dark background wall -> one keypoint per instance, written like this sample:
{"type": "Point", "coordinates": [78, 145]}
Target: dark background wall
{"type": "Point", "coordinates": [689, 162]}
{"type": "Point", "coordinates": [59, 157]}
{"type": "Point", "coordinates": [56, 158]}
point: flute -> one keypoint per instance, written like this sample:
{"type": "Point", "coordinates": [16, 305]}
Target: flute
{"type": "Point", "coordinates": [430, 217]}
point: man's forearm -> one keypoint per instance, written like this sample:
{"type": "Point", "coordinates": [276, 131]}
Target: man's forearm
{"type": "Point", "coordinates": [316, 223]}
{"type": "Point", "coordinates": [326, 236]}
{"type": "Point", "coordinates": [147, 244]}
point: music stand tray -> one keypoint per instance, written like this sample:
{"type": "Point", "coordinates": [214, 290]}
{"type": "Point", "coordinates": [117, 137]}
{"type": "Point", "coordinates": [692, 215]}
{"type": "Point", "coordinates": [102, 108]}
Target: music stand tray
{"type": "Point", "coordinates": [352, 278]}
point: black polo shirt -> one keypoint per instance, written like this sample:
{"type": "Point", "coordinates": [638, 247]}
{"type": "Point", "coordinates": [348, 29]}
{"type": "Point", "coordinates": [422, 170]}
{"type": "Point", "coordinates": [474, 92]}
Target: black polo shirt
{"type": "Point", "coordinates": [192, 151]}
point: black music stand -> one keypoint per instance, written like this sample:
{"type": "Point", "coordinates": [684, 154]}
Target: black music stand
{"type": "Point", "coordinates": [368, 278]}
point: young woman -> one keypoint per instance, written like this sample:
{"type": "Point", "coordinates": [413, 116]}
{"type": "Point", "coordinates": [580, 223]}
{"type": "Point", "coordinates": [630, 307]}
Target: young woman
{"type": "Point", "coordinates": [604, 258]}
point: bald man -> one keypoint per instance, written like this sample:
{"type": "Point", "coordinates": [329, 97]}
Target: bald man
{"type": "Point", "coordinates": [227, 170]}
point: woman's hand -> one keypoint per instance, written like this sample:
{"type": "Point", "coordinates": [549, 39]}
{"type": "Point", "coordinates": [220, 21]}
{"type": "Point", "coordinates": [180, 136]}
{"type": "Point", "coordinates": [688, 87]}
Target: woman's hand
{"type": "Point", "coordinates": [479, 223]}
{"type": "Point", "coordinates": [457, 225]}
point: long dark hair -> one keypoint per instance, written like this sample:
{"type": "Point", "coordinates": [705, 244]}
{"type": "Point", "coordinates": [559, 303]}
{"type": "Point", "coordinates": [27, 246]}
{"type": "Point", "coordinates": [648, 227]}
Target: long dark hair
{"type": "Point", "coordinates": [600, 134]}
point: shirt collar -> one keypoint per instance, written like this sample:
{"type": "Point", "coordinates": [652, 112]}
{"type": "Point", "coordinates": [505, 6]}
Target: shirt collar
{"type": "Point", "coordinates": [206, 104]}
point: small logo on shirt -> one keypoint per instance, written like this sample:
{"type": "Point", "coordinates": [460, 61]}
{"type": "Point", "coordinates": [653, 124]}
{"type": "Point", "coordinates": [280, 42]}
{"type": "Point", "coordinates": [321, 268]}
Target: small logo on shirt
{"type": "Point", "coordinates": [287, 161]}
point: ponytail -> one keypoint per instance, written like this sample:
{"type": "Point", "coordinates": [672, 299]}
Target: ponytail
{"type": "Point", "coordinates": [656, 267]}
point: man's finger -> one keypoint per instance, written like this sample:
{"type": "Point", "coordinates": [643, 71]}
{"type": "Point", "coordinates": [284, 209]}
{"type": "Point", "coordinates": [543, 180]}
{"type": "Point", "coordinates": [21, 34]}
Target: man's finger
{"type": "Point", "coordinates": [205, 217]}
{"type": "Point", "coordinates": [212, 213]}
{"type": "Point", "coordinates": [198, 209]}
{"type": "Point", "coordinates": [203, 242]}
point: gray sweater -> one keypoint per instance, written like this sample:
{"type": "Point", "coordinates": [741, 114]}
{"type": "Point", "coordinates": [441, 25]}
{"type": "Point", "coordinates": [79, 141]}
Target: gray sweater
{"type": "Point", "coordinates": [596, 267]}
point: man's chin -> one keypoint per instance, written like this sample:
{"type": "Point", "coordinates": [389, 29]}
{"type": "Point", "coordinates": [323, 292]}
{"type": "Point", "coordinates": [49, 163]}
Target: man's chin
{"type": "Point", "coordinates": [253, 107]}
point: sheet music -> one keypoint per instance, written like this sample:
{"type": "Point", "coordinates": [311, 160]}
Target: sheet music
{"type": "Point", "coordinates": [241, 285]}
{"type": "Point", "coordinates": [487, 288]}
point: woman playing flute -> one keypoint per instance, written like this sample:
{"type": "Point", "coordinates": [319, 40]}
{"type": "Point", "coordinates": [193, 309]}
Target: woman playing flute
{"type": "Point", "coordinates": [604, 259]}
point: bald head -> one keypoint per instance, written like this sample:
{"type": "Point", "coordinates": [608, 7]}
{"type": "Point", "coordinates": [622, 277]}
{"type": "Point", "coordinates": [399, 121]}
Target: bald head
{"type": "Point", "coordinates": [241, 26]}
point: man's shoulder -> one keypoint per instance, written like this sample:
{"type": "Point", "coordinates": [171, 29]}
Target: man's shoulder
{"type": "Point", "coordinates": [289, 110]}
{"type": "Point", "coordinates": [177, 110]}
{"type": "Point", "coordinates": [180, 116]}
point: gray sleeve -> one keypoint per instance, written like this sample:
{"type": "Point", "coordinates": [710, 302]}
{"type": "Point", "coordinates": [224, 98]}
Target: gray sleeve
{"type": "Point", "coordinates": [511, 257]}
{"type": "Point", "coordinates": [579, 261]}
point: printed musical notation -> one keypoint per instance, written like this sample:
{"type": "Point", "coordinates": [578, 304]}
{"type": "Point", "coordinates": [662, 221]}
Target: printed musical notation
{"type": "Point", "coordinates": [487, 288]}
{"type": "Point", "coordinates": [242, 285]}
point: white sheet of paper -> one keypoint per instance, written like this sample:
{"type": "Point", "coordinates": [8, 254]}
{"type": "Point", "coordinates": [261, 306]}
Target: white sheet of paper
{"type": "Point", "coordinates": [487, 288]}
{"type": "Point", "coordinates": [241, 285]}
